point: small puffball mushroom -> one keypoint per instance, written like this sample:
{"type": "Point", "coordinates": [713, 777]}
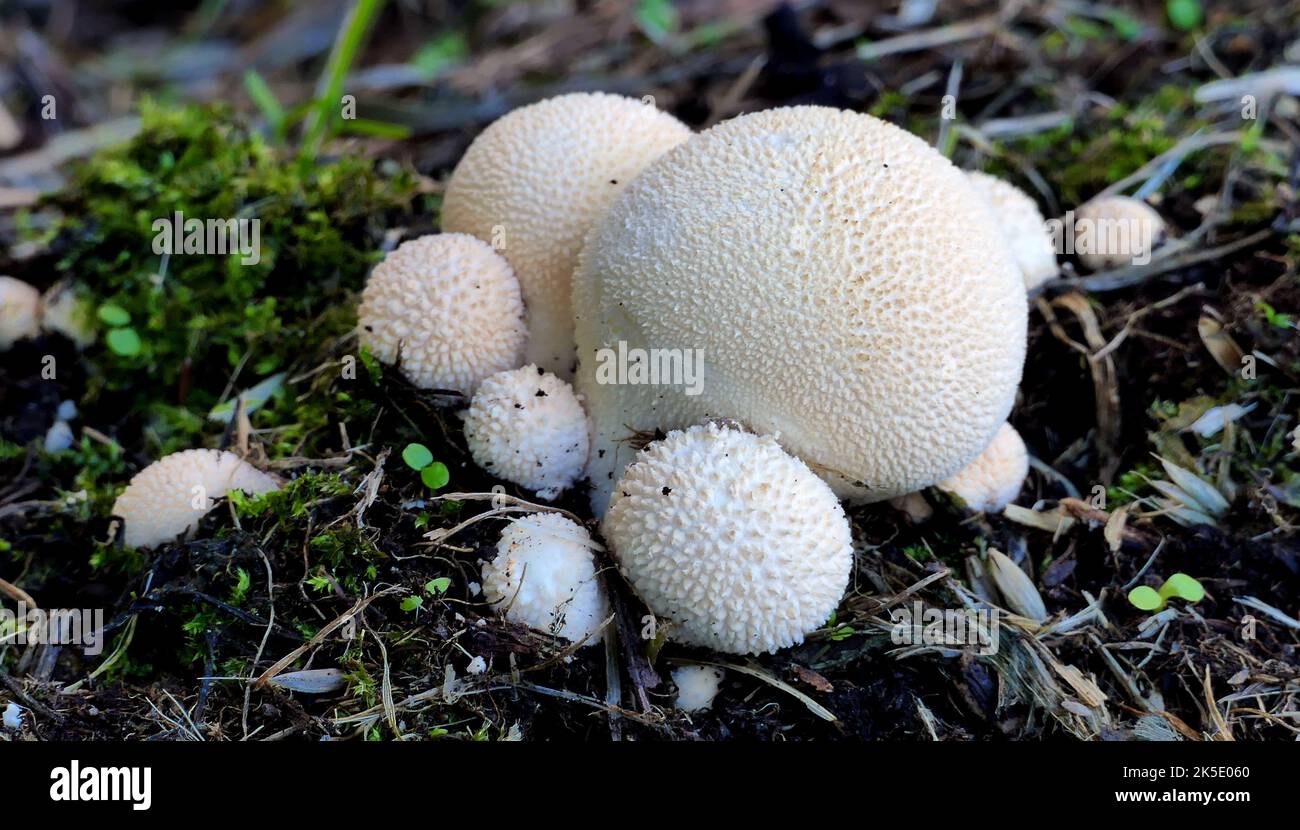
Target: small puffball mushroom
{"type": "Point", "coordinates": [168, 497]}
{"type": "Point", "coordinates": [538, 179]}
{"type": "Point", "coordinates": [993, 480]}
{"type": "Point", "coordinates": [737, 544]}
{"type": "Point", "coordinates": [1022, 226]}
{"type": "Point", "coordinates": [19, 312]}
{"type": "Point", "coordinates": [527, 426]}
{"type": "Point", "coordinates": [65, 311]}
{"type": "Point", "coordinates": [1116, 231]}
{"type": "Point", "coordinates": [697, 686]}
{"type": "Point", "coordinates": [841, 283]}
{"type": "Point", "coordinates": [448, 308]}
{"type": "Point", "coordinates": [544, 576]}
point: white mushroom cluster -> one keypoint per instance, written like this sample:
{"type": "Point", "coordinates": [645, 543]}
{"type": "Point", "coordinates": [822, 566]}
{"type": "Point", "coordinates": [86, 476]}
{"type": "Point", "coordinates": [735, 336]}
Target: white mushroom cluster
{"type": "Point", "coordinates": [993, 480]}
{"type": "Point", "coordinates": [829, 269]}
{"type": "Point", "coordinates": [447, 309]}
{"type": "Point", "coordinates": [171, 495]}
{"type": "Point", "coordinates": [1022, 225]}
{"type": "Point", "coordinates": [527, 426]}
{"type": "Point", "coordinates": [533, 184]}
{"type": "Point", "coordinates": [544, 576]}
{"type": "Point", "coordinates": [734, 542]}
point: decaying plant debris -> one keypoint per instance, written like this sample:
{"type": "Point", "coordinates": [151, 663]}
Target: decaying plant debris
{"type": "Point", "coordinates": [344, 605]}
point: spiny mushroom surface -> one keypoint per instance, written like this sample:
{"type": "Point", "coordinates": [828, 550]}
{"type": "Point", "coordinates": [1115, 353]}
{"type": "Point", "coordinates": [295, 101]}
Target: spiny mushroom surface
{"type": "Point", "coordinates": [527, 426]}
{"type": "Point", "coordinates": [1116, 231]}
{"type": "Point", "coordinates": [544, 577]}
{"type": "Point", "coordinates": [19, 311]}
{"type": "Point", "coordinates": [736, 543]}
{"type": "Point", "coordinates": [846, 286]}
{"type": "Point", "coordinates": [168, 497]}
{"type": "Point", "coordinates": [448, 308]}
{"type": "Point", "coordinates": [533, 184]}
{"type": "Point", "coordinates": [1022, 225]}
{"type": "Point", "coordinates": [993, 480]}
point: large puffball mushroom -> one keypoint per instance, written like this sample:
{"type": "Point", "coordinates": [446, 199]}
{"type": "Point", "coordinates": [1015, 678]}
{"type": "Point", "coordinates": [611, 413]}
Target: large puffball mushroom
{"type": "Point", "coordinates": [736, 543]}
{"type": "Point", "coordinates": [527, 426]}
{"type": "Point", "coordinates": [843, 284]}
{"type": "Point", "coordinates": [168, 497]}
{"type": "Point", "coordinates": [448, 308]}
{"type": "Point", "coordinates": [66, 311]}
{"type": "Point", "coordinates": [697, 686]}
{"type": "Point", "coordinates": [544, 576]}
{"type": "Point", "coordinates": [1022, 225]}
{"type": "Point", "coordinates": [536, 181]}
{"type": "Point", "coordinates": [993, 480]}
{"type": "Point", "coordinates": [19, 312]}
{"type": "Point", "coordinates": [1115, 232]}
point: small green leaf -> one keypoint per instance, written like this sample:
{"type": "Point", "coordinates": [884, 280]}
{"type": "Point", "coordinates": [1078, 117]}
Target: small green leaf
{"type": "Point", "coordinates": [1145, 598]}
{"type": "Point", "coordinates": [417, 456]}
{"type": "Point", "coordinates": [1184, 587]}
{"type": "Point", "coordinates": [412, 603]}
{"type": "Point", "coordinates": [1184, 14]}
{"type": "Point", "coordinates": [434, 587]}
{"type": "Point", "coordinates": [123, 341]}
{"type": "Point", "coordinates": [264, 98]}
{"type": "Point", "coordinates": [435, 476]}
{"type": "Point", "coordinates": [114, 315]}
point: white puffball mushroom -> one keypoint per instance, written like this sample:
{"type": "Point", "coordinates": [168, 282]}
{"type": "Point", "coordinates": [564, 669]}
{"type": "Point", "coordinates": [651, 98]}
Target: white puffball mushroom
{"type": "Point", "coordinates": [736, 543]}
{"type": "Point", "coordinates": [993, 480]}
{"type": "Point", "coordinates": [171, 495]}
{"type": "Point", "coordinates": [697, 686]}
{"type": "Point", "coordinates": [448, 308]}
{"type": "Point", "coordinates": [19, 312]}
{"type": "Point", "coordinates": [841, 283]}
{"type": "Point", "coordinates": [1116, 231]}
{"type": "Point", "coordinates": [477, 666]}
{"type": "Point", "coordinates": [13, 717]}
{"type": "Point", "coordinates": [527, 426]}
{"type": "Point", "coordinates": [1022, 226]}
{"type": "Point", "coordinates": [537, 180]}
{"type": "Point", "coordinates": [544, 576]}
{"type": "Point", "coordinates": [66, 311]}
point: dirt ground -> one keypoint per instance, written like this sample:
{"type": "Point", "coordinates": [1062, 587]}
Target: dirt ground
{"type": "Point", "coordinates": [1064, 99]}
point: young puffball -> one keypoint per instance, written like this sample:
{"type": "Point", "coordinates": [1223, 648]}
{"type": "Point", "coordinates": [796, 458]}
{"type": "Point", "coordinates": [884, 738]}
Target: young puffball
{"type": "Point", "coordinates": [168, 497]}
{"type": "Point", "coordinates": [448, 308]}
{"type": "Point", "coordinates": [1116, 231]}
{"type": "Point", "coordinates": [737, 544]}
{"type": "Point", "coordinates": [19, 312]}
{"type": "Point", "coordinates": [993, 480]}
{"type": "Point", "coordinates": [697, 686]}
{"type": "Point", "coordinates": [1022, 226]}
{"type": "Point", "coordinates": [65, 311]}
{"type": "Point", "coordinates": [825, 267]}
{"type": "Point", "coordinates": [544, 576]}
{"type": "Point", "coordinates": [534, 182]}
{"type": "Point", "coordinates": [526, 426]}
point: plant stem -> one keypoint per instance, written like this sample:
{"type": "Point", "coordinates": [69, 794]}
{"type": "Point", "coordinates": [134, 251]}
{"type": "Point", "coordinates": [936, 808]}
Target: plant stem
{"type": "Point", "coordinates": [329, 88]}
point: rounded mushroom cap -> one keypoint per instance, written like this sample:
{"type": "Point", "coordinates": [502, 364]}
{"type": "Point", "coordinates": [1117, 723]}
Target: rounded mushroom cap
{"type": "Point", "coordinates": [697, 686]}
{"type": "Point", "coordinates": [544, 577]}
{"type": "Point", "coordinates": [526, 426]}
{"type": "Point", "coordinates": [65, 311]}
{"type": "Point", "coordinates": [446, 305]}
{"type": "Point", "coordinates": [537, 180]}
{"type": "Point", "coordinates": [19, 311]}
{"type": "Point", "coordinates": [1022, 226]}
{"type": "Point", "coordinates": [735, 542]}
{"type": "Point", "coordinates": [168, 497]}
{"type": "Point", "coordinates": [845, 284]}
{"type": "Point", "coordinates": [1116, 231]}
{"type": "Point", "coordinates": [993, 480]}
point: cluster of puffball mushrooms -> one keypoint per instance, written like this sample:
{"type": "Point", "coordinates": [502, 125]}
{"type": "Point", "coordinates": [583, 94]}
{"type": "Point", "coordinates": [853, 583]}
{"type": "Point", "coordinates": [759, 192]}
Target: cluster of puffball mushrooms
{"type": "Point", "coordinates": [859, 302]}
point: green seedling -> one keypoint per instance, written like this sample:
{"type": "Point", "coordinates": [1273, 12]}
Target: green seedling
{"type": "Point", "coordinates": [1179, 585]}
{"type": "Point", "coordinates": [434, 474]}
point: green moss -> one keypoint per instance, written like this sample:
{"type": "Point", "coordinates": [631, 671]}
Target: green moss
{"type": "Point", "coordinates": [199, 316]}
